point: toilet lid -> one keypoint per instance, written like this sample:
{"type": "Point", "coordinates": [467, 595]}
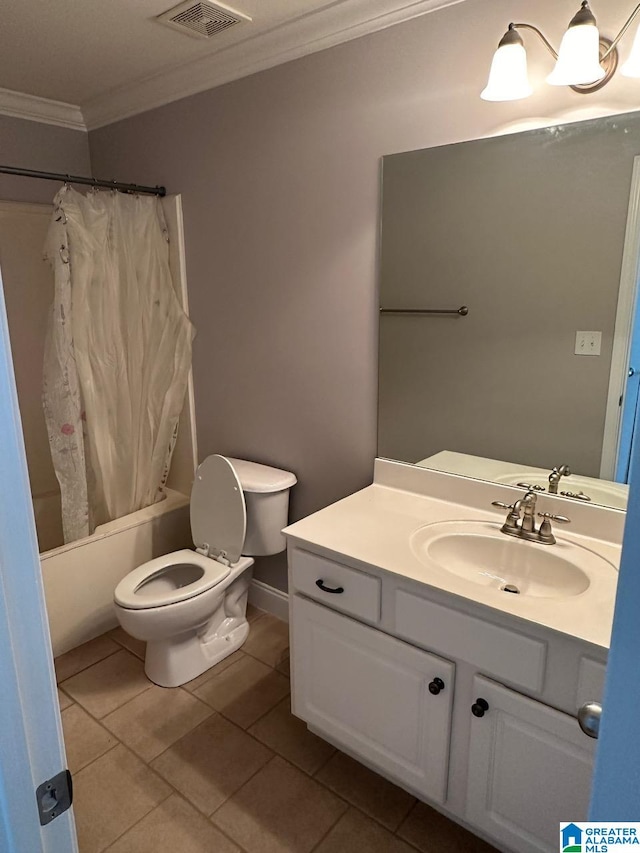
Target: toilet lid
{"type": "Point", "coordinates": [218, 511]}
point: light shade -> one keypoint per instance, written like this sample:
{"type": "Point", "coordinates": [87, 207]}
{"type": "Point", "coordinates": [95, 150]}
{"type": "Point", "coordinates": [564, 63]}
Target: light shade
{"type": "Point", "coordinates": [579, 56]}
{"type": "Point", "coordinates": [631, 67]}
{"type": "Point", "coordinates": [508, 77]}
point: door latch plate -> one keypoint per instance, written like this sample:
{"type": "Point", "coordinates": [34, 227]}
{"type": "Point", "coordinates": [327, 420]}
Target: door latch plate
{"type": "Point", "coordinates": [54, 797]}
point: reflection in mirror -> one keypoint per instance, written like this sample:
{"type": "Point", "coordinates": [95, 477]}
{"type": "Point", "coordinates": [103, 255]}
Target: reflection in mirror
{"type": "Point", "coordinates": [538, 235]}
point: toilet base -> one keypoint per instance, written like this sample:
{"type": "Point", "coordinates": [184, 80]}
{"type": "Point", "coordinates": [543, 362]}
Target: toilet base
{"type": "Point", "coordinates": [170, 663]}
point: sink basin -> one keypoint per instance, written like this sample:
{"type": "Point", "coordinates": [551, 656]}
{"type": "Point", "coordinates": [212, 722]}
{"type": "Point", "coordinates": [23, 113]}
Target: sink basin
{"type": "Point", "coordinates": [600, 491]}
{"type": "Point", "coordinates": [478, 552]}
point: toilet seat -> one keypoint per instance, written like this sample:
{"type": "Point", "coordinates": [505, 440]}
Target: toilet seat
{"type": "Point", "coordinates": [218, 525]}
{"type": "Point", "coordinates": [169, 579]}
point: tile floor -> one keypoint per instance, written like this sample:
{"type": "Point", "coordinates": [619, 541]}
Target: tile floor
{"type": "Point", "coordinates": [220, 765]}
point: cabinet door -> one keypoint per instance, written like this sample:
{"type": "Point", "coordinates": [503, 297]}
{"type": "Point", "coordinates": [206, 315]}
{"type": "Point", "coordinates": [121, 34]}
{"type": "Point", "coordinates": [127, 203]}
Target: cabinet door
{"type": "Point", "coordinates": [371, 693]}
{"type": "Point", "coordinates": [530, 767]}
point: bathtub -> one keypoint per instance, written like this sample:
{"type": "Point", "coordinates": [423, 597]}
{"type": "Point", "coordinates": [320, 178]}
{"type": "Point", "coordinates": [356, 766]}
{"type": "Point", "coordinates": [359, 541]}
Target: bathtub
{"type": "Point", "coordinates": [79, 578]}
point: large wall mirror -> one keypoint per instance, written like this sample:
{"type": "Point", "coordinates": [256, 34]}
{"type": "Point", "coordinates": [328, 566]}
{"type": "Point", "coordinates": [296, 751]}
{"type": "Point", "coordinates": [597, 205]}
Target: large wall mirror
{"type": "Point", "coordinates": [537, 235]}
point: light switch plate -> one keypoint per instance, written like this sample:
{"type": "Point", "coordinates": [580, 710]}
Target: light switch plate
{"type": "Point", "coordinates": [588, 343]}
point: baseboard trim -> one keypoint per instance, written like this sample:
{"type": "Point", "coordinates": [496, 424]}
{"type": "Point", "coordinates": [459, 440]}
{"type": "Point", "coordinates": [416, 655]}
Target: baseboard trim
{"type": "Point", "coordinates": [270, 599]}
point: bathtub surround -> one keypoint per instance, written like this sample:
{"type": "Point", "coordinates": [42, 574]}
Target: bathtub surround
{"type": "Point", "coordinates": [27, 283]}
{"type": "Point", "coordinates": [287, 162]}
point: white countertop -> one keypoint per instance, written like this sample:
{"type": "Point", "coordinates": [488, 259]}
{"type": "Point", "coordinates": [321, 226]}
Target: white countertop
{"type": "Point", "coordinates": [374, 526]}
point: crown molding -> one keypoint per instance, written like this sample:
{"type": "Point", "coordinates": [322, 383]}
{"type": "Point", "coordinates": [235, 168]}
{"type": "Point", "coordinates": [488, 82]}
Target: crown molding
{"type": "Point", "coordinates": [44, 110]}
{"type": "Point", "coordinates": [335, 24]}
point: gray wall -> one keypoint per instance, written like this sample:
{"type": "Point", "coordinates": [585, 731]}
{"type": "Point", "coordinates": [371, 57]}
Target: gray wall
{"type": "Point", "coordinates": [528, 231]}
{"type": "Point", "coordinates": [280, 177]}
{"type": "Point", "coordinates": [32, 145]}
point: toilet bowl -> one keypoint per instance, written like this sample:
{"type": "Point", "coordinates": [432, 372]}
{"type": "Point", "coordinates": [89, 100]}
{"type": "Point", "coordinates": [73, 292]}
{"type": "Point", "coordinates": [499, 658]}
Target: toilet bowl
{"type": "Point", "coordinates": [190, 606]}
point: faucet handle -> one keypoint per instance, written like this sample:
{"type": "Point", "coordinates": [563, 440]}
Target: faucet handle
{"type": "Point", "coordinates": [545, 534]}
{"type": "Point", "coordinates": [502, 505]}
{"type": "Point", "coordinates": [549, 516]}
{"type": "Point", "coordinates": [530, 488]}
{"type": "Point", "coordinates": [579, 496]}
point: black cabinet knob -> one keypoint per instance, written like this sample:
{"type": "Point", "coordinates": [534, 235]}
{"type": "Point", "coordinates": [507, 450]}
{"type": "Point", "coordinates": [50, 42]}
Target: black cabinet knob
{"type": "Point", "coordinates": [436, 686]}
{"type": "Point", "coordinates": [479, 707]}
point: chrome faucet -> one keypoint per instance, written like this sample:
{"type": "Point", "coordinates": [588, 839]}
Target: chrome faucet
{"type": "Point", "coordinates": [524, 526]}
{"type": "Point", "coordinates": [554, 478]}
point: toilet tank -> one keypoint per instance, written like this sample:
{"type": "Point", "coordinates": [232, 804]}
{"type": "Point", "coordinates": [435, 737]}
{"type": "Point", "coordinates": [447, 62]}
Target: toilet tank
{"type": "Point", "coordinates": [266, 494]}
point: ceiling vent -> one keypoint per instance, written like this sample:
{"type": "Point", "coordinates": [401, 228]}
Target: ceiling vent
{"type": "Point", "coordinates": [202, 19]}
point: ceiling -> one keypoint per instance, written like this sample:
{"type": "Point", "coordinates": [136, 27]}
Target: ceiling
{"type": "Point", "coordinates": [113, 58]}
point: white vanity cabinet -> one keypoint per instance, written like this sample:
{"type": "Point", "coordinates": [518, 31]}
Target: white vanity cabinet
{"type": "Point", "coordinates": [380, 698]}
{"type": "Point", "coordinates": [392, 678]}
{"type": "Point", "coordinates": [530, 767]}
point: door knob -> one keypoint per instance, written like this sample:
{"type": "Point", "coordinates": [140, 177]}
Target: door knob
{"type": "Point", "coordinates": [632, 372]}
{"type": "Point", "coordinates": [589, 718]}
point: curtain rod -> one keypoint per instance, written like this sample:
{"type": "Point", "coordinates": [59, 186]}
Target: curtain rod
{"type": "Point", "coordinates": [76, 179]}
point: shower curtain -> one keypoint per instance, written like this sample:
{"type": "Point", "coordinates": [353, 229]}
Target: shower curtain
{"type": "Point", "coordinates": [117, 356]}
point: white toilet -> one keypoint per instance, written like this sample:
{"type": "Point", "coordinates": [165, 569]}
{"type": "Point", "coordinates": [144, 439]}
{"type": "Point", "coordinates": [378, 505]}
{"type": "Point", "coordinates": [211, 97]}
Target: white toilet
{"type": "Point", "coordinates": [190, 606]}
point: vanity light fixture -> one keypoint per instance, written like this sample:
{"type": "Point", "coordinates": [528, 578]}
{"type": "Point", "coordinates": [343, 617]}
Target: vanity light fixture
{"type": "Point", "coordinates": [586, 60]}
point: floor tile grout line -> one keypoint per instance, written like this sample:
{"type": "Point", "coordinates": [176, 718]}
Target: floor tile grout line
{"type": "Point", "coordinates": [264, 766]}
{"type": "Point", "coordinates": [118, 742]}
{"type": "Point", "coordinates": [332, 827]}
{"type": "Point", "coordinates": [262, 716]}
{"type": "Point", "coordinates": [404, 820]}
{"type": "Point", "coordinates": [366, 816]}
{"type": "Point", "coordinates": [135, 823]}
{"type": "Point", "coordinates": [273, 666]}
{"type": "Point", "coordinates": [248, 732]}
{"type": "Point", "coordinates": [84, 668]}
{"type": "Point", "coordinates": [324, 763]}
{"type": "Point", "coordinates": [77, 772]}
{"type": "Point", "coordinates": [208, 719]}
{"type": "Point", "coordinates": [408, 814]}
{"type": "Point", "coordinates": [183, 795]}
{"type": "Point", "coordinates": [126, 648]}
{"type": "Point", "coordinates": [163, 800]}
{"type": "Point", "coordinates": [214, 712]}
{"type": "Point", "coordinates": [213, 674]}
{"type": "Point", "coordinates": [377, 820]}
{"type": "Point", "coordinates": [409, 843]}
{"type": "Point", "coordinates": [246, 782]}
{"type": "Point", "coordinates": [117, 708]}
{"type": "Point", "coordinates": [191, 730]}
{"type": "Point", "coordinates": [180, 796]}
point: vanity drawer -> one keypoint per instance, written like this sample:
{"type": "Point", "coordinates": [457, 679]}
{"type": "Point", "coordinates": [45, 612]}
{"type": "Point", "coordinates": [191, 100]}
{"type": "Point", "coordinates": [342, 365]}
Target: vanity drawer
{"type": "Point", "coordinates": [506, 655]}
{"type": "Point", "coordinates": [360, 592]}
